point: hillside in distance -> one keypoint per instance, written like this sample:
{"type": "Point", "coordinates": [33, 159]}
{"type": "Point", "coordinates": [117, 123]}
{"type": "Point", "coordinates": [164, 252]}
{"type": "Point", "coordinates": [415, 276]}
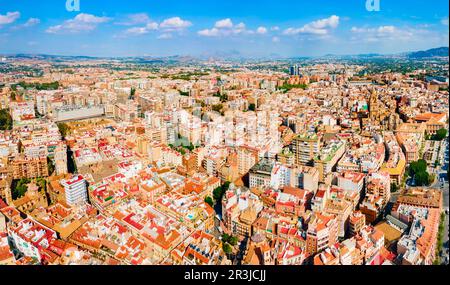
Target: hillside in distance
{"type": "Point", "coordinates": [440, 51]}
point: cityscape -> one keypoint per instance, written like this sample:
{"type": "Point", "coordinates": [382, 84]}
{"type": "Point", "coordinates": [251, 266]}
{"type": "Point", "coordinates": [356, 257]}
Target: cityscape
{"type": "Point", "coordinates": [144, 136]}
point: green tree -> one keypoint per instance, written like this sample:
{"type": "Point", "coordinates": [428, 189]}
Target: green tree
{"type": "Point", "coordinates": [227, 248]}
{"type": "Point", "coordinates": [394, 187]}
{"type": "Point", "coordinates": [19, 188]}
{"type": "Point", "coordinates": [209, 201]}
{"type": "Point", "coordinates": [233, 241]}
{"type": "Point", "coordinates": [50, 166]}
{"type": "Point", "coordinates": [226, 237]}
{"type": "Point", "coordinates": [226, 186]}
{"type": "Point", "coordinates": [418, 170]}
{"type": "Point", "coordinates": [422, 178]}
{"type": "Point", "coordinates": [417, 167]}
{"type": "Point", "coordinates": [71, 165]}
{"type": "Point", "coordinates": [220, 191]}
{"type": "Point", "coordinates": [440, 135]}
{"type": "Point", "coordinates": [63, 129]}
{"type": "Point", "coordinates": [190, 147]}
{"type": "Point", "coordinates": [132, 93]}
{"type": "Point", "coordinates": [40, 86]}
{"type": "Point", "coordinates": [217, 107]}
{"type": "Point", "coordinates": [217, 193]}
{"type": "Point", "coordinates": [42, 184]}
{"type": "Point", "coordinates": [48, 86]}
{"type": "Point", "coordinates": [286, 86]}
{"type": "Point", "coordinates": [223, 96]}
{"type": "Point", "coordinates": [6, 122]}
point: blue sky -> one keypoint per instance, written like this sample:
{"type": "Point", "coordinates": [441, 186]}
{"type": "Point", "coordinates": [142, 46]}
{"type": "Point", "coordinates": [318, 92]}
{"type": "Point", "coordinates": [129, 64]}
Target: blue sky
{"type": "Point", "coordinates": [199, 27]}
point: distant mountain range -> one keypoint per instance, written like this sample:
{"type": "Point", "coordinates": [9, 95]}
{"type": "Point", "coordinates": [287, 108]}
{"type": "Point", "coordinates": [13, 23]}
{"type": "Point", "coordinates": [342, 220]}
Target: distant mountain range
{"type": "Point", "coordinates": [434, 52]}
{"type": "Point", "coordinates": [236, 55]}
{"type": "Point", "coordinates": [49, 56]}
{"type": "Point", "coordinates": [440, 51]}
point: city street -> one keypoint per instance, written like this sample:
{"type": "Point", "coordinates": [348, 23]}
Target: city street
{"type": "Point", "coordinates": [442, 183]}
{"type": "Point", "coordinates": [441, 173]}
{"type": "Point", "coordinates": [445, 249]}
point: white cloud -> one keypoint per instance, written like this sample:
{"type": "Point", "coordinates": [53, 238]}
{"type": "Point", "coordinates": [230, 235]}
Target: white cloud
{"type": "Point", "coordinates": [357, 30]}
{"type": "Point", "coordinates": [135, 19]}
{"type": "Point", "coordinates": [226, 27]}
{"type": "Point", "coordinates": [390, 34]}
{"type": "Point", "coordinates": [92, 19]}
{"type": "Point", "coordinates": [31, 22]}
{"type": "Point", "coordinates": [152, 26]}
{"type": "Point", "coordinates": [276, 39]}
{"type": "Point", "coordinates": [140, 18]}
{"type": "Point", "coordinates": [319, 27]}
{"type": "Point", "coordinates": [9, 18]}
{"type": "Point", "coordinates": [444, 21]}
{"type": "Point", "coordinates": [175, 23]}
{"type": "Point", "coordinates": [81, 23]}
{"type": "Point", "coordinates": [261, 30]}
{"type": "Point", "coordinates": [136, 31]}
{"type": "Point", "coordinates": [275, 28]}
{"type": "Point", "coordinates": [381, 31]}
{"type": "Point", "coordinates": [225, 23]}
{"type": "Point", "coordinates": [165, 36]}
{"type": "Point", "coordinates": [214, 32]}
{"type": "Point", "coordinates": [386, 29]}
{"type": "Point", "coordinates": [240, 28]}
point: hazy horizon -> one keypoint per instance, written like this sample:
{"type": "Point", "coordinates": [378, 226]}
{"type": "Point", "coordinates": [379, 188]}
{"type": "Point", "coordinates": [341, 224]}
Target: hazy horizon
{"type": "Point", "coordinates": [217, 55]}
{"type": "Point", "coordinates": [251, 29]}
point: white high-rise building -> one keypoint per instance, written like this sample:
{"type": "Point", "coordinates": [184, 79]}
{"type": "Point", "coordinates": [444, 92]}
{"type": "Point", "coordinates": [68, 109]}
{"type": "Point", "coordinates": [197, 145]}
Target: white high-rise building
{"type": "Point", "coordinates": [42, 99]}
{"type": "Point", "coordinates": [76, 190]}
